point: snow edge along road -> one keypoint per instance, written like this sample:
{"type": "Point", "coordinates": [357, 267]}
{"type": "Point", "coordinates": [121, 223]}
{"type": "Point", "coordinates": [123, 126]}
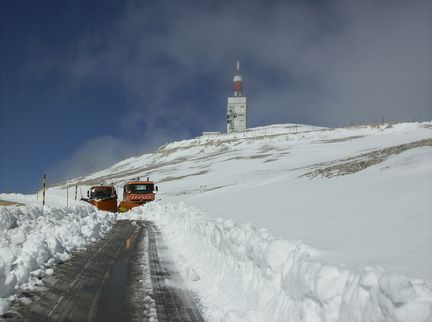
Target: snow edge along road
{"type": "Point", "coordinates": [122, 277]}
{"type": "Point", "coordinates": [34, 238]}
{"type": "Point", "coordinates": [242, 273]}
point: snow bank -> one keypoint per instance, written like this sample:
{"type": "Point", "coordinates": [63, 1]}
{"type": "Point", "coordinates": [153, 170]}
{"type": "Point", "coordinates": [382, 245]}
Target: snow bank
{"type": "Point", "coordinates": [244, 274]}
{"type": "Point", "coordinates": [33, 238]}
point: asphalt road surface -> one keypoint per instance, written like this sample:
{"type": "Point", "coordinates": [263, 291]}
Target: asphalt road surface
{"type": "Point", "coordinates": [126, 276]}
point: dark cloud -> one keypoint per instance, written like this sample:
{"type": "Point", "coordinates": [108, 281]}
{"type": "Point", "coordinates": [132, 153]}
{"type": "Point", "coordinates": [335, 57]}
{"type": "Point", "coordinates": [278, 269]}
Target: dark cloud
{"type": "Point", "coordinates": [320, 62]}
{"type": "Point", "coordinates": [352, 60]}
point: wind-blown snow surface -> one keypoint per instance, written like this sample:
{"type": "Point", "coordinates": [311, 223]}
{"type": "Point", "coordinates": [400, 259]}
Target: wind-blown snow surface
{"type": "Point", "coordinates": [34, 238]}
{"type": "Point", "coordinates": [244, 274]}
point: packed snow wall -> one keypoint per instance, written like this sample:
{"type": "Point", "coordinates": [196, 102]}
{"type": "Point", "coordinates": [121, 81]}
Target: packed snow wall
{"type": "Point", "coordinates": [34, 238]}
{"type": "Point", "coordinates": [244, 274]}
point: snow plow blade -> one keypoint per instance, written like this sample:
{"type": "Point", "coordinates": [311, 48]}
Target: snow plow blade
{"type": "Point", "coordinates": [125, 206]}
{"type": "Point", "coordinates": [106, 205]}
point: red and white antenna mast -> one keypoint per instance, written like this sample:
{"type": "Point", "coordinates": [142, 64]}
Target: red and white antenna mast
{"type": "Point", "coordinates": [238, 82]}
{"type": "Point", "coordinates": [237, 105]}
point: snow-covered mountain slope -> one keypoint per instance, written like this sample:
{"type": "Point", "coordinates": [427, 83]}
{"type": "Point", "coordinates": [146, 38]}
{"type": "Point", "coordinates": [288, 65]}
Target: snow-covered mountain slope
{"type": "Point", "coordinates": [358, 198]}
{"type": "Point", "coordinates": [285, 178]}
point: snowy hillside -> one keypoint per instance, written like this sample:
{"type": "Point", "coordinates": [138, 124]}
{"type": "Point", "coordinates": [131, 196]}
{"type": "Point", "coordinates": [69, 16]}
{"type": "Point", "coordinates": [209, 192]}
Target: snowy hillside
{"type": "Point", "coordinates": [294, 222]}
{"type": "Point", "coordinates": [379, 215]}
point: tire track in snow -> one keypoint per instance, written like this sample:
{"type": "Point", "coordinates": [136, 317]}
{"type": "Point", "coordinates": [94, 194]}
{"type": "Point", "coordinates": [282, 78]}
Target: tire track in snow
{"type": "Point", "coordinates": [172, 303]}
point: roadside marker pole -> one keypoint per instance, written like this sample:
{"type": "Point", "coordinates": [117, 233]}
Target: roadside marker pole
{"type": "Point", "coordinates": [43, 189]}
{"type": "Point", "coordinates": [76, 192]}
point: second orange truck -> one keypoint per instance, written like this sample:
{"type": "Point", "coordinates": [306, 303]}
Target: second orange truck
{"type": "Point", "coordinates": [135, 193]}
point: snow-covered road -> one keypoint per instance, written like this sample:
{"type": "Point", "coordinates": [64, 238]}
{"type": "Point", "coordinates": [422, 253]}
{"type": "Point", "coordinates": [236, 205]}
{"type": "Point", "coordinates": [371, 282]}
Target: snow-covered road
{"type": "Point", "coordinates": [123, 277]}
{"type": "Point", "coordinates": [238, 271]}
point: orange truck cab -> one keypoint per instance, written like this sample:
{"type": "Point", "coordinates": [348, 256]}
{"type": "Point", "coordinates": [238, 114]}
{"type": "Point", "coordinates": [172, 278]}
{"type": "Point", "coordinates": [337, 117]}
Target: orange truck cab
{"type": "Point", "coordinates": [103, 197]}
{"type": "Point", "coordinates": [137, 193]}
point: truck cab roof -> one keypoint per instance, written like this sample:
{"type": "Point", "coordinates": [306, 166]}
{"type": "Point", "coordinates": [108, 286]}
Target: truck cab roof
{"type": "Point", "coordinates": [139, 182]}
{"type": "Point", "coordinates": [102, 187]}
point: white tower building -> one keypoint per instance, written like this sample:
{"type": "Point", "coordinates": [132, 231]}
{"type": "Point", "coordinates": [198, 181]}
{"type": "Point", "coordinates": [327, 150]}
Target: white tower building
{"type": "Point", "coordinates": [237, 107]}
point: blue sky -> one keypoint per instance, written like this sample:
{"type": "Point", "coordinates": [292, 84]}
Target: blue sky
{"type": "Point", "coordinates": [87, 83]}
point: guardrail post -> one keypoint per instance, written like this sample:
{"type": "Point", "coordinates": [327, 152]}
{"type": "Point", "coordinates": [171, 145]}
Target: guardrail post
{"type": "Point", "coordinates": [43, 189]}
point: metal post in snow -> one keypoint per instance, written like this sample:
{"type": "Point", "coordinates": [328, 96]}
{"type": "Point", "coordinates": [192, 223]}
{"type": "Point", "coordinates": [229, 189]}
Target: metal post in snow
{"type": "Point", "coordinates": [43, 189]}
{"type": "Point", "coordinates": [76, 192]}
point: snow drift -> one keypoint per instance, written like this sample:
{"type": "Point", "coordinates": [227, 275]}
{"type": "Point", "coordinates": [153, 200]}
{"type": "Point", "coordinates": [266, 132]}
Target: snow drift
{"type": "Point", "coordinates": [34, 238]}
{"type": "Point", "coordinates": [244, 274]}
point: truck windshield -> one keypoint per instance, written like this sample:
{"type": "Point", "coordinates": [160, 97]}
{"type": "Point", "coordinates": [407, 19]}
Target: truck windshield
{"type": "Point", "coordinates": [141, 188]}
{"type": "Point", "coordinates": [101, 193]}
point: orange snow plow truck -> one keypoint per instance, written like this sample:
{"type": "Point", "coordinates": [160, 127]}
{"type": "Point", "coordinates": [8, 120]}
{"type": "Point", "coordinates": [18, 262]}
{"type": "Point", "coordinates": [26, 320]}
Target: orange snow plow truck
{"type": "Point", "coordinates": [102, 197]}
{"type": "Point", "coordinates": [137, 193]}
